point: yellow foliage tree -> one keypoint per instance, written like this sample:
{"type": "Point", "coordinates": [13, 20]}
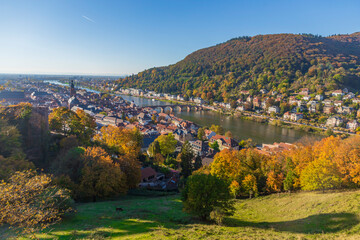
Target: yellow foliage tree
{"type": "Point", "coordinates": [226, 165]}
{"type": "Point", "coordinates": [250, 185]}
{"type": "Point", "coordinates": [347, 159]}
{"type": "Point", "coordinates": [31, 202]}
{"type": "Point", "coordinates": [234, 188]}
{"type": "Point", "coordinates": [320, 174]}
{"type": "Point", "coordinates": [120, 140]}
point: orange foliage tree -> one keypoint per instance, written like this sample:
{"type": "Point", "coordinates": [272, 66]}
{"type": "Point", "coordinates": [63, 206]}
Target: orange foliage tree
{"type": "Point", "coordinates": [101, 177]}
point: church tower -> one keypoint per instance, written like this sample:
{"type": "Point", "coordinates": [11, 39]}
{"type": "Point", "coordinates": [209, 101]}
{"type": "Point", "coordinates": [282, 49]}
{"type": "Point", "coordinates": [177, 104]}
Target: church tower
{"type": "Point", "coordinates": [72, 89]}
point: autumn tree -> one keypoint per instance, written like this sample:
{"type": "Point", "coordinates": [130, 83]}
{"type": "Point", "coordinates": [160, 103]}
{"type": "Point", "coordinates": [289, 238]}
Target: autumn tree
{"type": "Point", "coordinates": [290, 177]}
{"type": "Point", "coordinates": [320, 174]}
{"type": "Point", "coordinates": [250, 185]}
{"type": "Point", "coordinates": [228, 134]}
{"type": "Point", "coordinates": [234, 188]}
{"type": "Point", "coordinates": [218, 129]}
{"type": "Point", "coordinates": [68, 122]}
{"type": "Point", "coordinates": [68, 143]}
{"type": "Point", "coordinates": [249, 143]}
{"type": "Point", "coordinates": [101, 177]}
{"type": "Point", "coordinates": [131, 167]}
{"type": "Point", "coordinates": [31, 201]}
{"type": "Point", "coordinates": [347, 159]}
{"type": "Point", "coordinates": [226, 165]}
{"type": "Point", "coordinates": [120, 140]}
{"type": "Point", "coordinates": [153, 118]}
{"type": "Point", "coordinates": [62, 120]}
{"type": "Point", "coordinates": [289, 181]}
{"type": "Point", "coordinates": [159, 159]}
{"type": "Point", "coordinates": [274, 181]}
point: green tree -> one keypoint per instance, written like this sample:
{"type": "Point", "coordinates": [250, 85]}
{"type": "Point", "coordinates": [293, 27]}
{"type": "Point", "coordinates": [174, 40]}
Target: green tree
{"type": "Point", "coordinates": [185, 158]}
{"type": "Point", "coordinates": [204, 193]}
{"type": "Point", "coordinates": [215, 146]}
{"type": "Point", "coordinates": [289, 181]}
{"type": "Point", "coordinates": [12, 157]}
{"type": "Point", "coordinates": [69, 163]}
{"type": "Point", "coordinates": [167, 143]}
{"type": "Point", "coordinates": [201, 134]}
{"type": "Point", "coordinates": [218, 129]}
{"type": "Point", "coordinates": [198, 162]}
{"type": "Point", "coordinates": [77, 123]}
{"type": "Point", "coordinates": [154, 148]}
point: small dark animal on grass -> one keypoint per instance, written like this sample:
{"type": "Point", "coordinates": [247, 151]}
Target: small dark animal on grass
{"type": "Point", "coordinates": [119, 209]}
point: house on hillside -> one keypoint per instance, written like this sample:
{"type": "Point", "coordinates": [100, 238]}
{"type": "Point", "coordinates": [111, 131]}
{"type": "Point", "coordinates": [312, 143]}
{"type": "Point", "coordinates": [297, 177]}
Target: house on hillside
{"type": "Point", "coordinates": [334, 121]}
{"type": "Point", "coordinates": [225, 142]}
{"type": "Point", "coordinates": [337, 93]}
{"type": "Point", "coordinates": [296, 116]}
{"type": "Point", "coordinates": [352, 125]}
{"type": "Point", "coordinates": [273, 109]}
{"type": "Point", "coordinates": [209, 134]}
{"type": "Point", "coordinates": [148, 174]}
{"type": "Point", "coordinates": [198, 147]}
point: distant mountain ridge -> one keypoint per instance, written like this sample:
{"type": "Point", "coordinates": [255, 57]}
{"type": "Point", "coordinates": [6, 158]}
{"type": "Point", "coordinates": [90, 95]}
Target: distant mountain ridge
{"type": "Point", "coordinates": [281, 62]}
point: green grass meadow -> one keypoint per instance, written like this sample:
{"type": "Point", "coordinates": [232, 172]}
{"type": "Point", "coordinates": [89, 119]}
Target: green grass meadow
{"type": "Point", "coordinates": [305, 215]}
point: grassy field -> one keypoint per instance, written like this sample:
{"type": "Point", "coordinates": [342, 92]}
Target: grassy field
{"type": "Point", "coordinates": [307, 215]}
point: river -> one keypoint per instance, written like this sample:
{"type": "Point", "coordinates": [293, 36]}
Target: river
{"type": "Point", "coordinates": [240, 128]}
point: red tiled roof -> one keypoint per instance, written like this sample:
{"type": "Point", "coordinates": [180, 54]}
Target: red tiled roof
{"type": "Point", "coordinates": [147, 172]}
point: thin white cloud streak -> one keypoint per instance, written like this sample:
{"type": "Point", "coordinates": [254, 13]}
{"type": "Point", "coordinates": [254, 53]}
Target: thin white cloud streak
{"type": "Point", "coordinates": [89, 19]}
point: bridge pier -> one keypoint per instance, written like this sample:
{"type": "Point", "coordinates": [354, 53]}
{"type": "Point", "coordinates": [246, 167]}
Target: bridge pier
{"type": "Point", "coordinates": [173, 108]}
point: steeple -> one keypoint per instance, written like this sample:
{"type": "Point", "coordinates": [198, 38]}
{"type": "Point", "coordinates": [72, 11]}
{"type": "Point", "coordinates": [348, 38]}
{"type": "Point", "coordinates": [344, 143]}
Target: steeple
{"type": "Point", "coordinates": [72, 89]}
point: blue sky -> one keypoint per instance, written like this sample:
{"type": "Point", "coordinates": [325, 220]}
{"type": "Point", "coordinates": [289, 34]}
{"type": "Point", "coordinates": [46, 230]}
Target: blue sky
{"type": "Point", "coordinates": [124, 37]}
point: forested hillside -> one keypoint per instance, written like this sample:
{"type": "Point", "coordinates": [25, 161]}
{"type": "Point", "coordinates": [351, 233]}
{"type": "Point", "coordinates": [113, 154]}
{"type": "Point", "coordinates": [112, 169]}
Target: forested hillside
{"type": "Point", "coordinates": [281, 62]}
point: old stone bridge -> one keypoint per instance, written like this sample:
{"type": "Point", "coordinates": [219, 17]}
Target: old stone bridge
{"type": "Point", "coordinates": [175, 108]}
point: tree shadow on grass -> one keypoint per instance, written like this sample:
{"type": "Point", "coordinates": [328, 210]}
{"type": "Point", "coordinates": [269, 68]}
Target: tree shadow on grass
{"type": "Point", "coordinates": [320, 223]}
{"type": "Point", "coordinates": [112, 224]}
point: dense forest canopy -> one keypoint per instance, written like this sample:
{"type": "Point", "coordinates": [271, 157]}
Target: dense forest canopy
{"type": "Point", "coordinates": [280, 62]}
